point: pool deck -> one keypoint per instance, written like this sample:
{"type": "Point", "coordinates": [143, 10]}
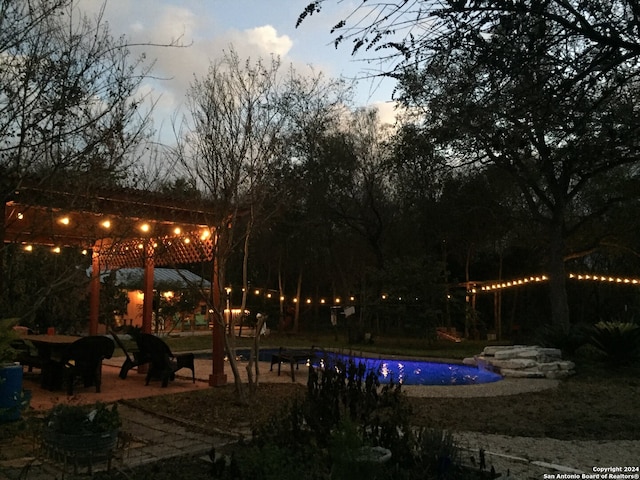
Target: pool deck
{"type": "Point", "coordinates": [115, 389]}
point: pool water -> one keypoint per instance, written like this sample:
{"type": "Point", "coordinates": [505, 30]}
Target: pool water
{"type": "Point", "coordinates": [407, 372]}
{"type": "Point", "coordinates": [416, 372]}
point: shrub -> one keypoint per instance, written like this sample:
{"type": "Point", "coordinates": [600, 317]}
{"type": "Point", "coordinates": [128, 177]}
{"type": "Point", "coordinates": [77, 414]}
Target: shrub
{"type": "Point", "coordinates": [345, 428]}
{"type": "Point", "coordinates": [566, 340]}
{"type": "Point", "coordinates": [83, 419]}
{"type": "Point", "coordinates": [618, 341]}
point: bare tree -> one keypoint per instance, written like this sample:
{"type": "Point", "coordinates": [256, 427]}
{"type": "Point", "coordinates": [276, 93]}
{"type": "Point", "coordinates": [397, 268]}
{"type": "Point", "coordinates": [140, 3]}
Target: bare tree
{"type": "Point", "coordinates": [71, 113]}
{"type": "Point", "coordinates": [231, 144]}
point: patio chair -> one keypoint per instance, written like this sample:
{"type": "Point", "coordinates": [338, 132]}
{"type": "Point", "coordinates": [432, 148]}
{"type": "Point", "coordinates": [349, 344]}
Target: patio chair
{"type": "Point", "coordinates": [163, 363]}
{"type": "Point", "coordinates": [133, 358]}
{"type": "Point", "coordinates": [27, 354]}
{"type": "Point", "coordinates": [84, 361]}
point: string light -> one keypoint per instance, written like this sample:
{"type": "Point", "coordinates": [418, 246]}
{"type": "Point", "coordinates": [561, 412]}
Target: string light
{"type": "Point", "coordinates": [514, 283]}
{"type": "Point", "coordinates": [572, 276]}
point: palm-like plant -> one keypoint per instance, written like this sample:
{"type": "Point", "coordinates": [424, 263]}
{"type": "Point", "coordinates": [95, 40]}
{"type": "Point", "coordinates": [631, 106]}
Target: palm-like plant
{"type": "Point", "coordinates": [618, 341]}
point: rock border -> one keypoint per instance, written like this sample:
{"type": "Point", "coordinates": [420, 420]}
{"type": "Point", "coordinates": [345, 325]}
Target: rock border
{"type": "Point", "coordinates": [523, 361]}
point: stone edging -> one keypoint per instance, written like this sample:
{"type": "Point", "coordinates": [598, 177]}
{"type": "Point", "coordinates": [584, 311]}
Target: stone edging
{"type": "Point", "coordinates": [523, 361]}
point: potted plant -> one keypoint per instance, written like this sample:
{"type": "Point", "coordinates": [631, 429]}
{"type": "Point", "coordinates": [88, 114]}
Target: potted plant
{"type": "Point", "coordinates": [82, 429]}
{"type": "Point", "coordinates": [10, 374]}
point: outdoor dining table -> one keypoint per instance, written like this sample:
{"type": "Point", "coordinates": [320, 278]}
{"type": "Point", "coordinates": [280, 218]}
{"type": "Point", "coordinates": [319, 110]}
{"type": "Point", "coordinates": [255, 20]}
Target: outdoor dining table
{"type": "Point", "coordinates": [53, 351]}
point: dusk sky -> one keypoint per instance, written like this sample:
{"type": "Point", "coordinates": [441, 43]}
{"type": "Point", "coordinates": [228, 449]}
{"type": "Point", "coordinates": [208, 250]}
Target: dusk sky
{"type": "Point", "coordinates": [254, 28]}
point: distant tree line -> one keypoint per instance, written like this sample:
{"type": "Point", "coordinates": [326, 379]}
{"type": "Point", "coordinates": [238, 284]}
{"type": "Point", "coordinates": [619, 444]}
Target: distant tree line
{"type": "Point", "coordinates": [517, 155]}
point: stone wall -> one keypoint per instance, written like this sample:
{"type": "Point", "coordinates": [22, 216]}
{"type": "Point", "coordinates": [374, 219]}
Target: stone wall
{"type": "Point", "coordinates": [523, 361]}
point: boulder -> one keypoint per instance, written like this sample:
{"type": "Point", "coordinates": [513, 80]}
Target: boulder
{"type": "Point", "coordinates": [523, 361]}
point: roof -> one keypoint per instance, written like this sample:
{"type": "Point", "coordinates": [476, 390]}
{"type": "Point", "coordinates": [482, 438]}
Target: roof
{"type": "Point", "coordinates": [168, 278]}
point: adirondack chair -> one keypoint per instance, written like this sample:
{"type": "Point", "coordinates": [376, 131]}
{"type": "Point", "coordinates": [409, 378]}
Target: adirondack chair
{"type": "Point", "coordinates": [133, 358]}
{"type": "Point", "coordinates": [84, 360]}
{"type": "Point", "coordinates": [163, 363]}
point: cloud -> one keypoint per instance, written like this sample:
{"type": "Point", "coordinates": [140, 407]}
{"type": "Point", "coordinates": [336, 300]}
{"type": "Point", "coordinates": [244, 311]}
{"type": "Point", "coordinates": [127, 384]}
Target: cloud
{"type": "Point", "coordinates": [267, 39]}
{"type": "Point", "coordinates": [387, 112]}
{"type": "Point", "coordinates": [207, 30]}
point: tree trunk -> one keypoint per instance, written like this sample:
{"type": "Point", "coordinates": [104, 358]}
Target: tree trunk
{"type": "Point", "coordinates": [296, 318]}
{"type": "Point", "coordinates": [558, 279]}
{"type": "Point", "coordinates": [254, 363]}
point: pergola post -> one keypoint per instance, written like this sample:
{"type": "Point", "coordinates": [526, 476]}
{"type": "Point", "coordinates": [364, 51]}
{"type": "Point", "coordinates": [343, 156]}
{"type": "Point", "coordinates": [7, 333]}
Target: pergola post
{"type": "Point", "coordinates": [94, 293]}
{"type": "Point", "coordinates": [147, 288]}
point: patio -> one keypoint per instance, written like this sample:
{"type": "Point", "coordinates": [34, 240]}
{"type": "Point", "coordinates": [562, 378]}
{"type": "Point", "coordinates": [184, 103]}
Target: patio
{"type": "Point", "coordinates": [114, 388]}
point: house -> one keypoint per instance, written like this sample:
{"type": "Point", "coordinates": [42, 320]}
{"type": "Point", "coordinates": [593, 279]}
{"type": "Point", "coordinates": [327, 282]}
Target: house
{"type": "Point", "coordinates": [179, 298]}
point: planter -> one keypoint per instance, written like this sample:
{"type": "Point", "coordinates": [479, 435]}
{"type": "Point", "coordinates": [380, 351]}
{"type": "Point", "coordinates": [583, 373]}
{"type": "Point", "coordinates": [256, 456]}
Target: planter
{"type": "Point", "coordinates": [82, 450]}
{"type": "Point", "coordinates": [80, 445]}
{"type": "Point", "coordinates": [10, 392]}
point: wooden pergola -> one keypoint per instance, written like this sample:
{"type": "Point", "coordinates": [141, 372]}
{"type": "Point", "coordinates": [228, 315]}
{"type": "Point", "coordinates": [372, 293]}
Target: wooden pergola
{"type": "Point", "coordinates": [124, 228]}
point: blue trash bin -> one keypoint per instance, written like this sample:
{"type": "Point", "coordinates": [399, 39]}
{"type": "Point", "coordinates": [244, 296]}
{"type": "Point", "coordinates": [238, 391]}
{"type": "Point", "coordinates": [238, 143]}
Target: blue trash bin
{"type": "Point", "coordinates": [10, 392]}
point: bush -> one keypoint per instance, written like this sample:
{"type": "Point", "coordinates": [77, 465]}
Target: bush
{"type": "Point", "coordinates": [568, 341]}
{"type": "Point", "coordinates": [618, 341]}
{"type": "Point", "coordinates": [83, 419]}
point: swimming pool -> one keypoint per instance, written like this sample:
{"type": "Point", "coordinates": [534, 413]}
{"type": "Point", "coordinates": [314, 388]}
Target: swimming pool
{"type": "Point", "coordinates": [418, 372]}
{"type": "Point", "coordinates": [405, 371]}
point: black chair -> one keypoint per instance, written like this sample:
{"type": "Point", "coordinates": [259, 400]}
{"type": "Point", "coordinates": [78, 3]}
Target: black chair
{"type": "Point", "coordinates": [84, 360]}
{"type": "Point", "coordinates": [27, 354]}
{"type": "Point", "coordinates": [163, 364]}
{"type": "Point", "coordinates": [133, 357]}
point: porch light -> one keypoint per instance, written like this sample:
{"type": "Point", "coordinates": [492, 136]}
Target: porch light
{"type": "Point", "coordinates": [106, 224]}
{"type": "Point", "coordinates": [64, 220]}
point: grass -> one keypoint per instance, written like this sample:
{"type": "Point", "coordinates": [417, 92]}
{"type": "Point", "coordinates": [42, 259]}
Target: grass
{"type": "Point", "coordinates": [381, 345]}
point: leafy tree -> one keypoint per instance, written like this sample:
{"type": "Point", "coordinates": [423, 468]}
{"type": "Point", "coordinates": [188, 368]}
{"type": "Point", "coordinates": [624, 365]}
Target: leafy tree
{"type": "Point", "coordinates": [544, 90]}
{"type": "Point", "coordinates": [532, 100]}
{"type": "Point", "coordinates": [399, 33]}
